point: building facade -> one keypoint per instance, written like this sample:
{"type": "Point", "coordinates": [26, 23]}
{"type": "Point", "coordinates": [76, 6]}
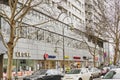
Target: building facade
{"type": "Point", "coordinates": [93, 16]}
{"type": "Point", "coordinates": [46, 45]}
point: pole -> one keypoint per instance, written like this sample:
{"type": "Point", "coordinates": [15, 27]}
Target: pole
{"type": "Point", "coordinates": [63, 52]}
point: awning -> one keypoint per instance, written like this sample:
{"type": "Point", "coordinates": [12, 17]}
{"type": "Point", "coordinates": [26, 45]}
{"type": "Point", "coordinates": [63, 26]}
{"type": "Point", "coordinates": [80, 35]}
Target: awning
{"type": "Point", "coordinates": [2, 48]}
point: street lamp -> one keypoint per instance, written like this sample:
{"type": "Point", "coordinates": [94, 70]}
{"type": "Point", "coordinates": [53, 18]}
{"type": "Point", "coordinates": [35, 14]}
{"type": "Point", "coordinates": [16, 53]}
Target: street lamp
{"type": "Point", "coordinates": [63, 49]}
{"type": "Point", "coordinates": [63, 52]}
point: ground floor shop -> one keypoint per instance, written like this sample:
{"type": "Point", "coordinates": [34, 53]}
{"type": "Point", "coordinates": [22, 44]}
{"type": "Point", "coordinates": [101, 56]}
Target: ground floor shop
{"type": "Point", "coordinates": [33, 65]}
{"type": "Point", "coordinates": [28, 66]}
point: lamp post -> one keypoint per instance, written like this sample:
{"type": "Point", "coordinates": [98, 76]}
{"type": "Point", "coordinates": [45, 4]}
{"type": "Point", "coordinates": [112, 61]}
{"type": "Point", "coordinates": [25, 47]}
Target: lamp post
{"type": "Point", "coordinates": [63, 49]}
{"type": "Point", "coordinates": [63, 52]}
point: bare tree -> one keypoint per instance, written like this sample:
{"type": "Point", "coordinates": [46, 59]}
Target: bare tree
{"type": "Point", "coordinates": [94, 49]}
{"type": "Point", "coordinates": [108, 24]}
{"type": "Point", "coordinates": [15, 17]}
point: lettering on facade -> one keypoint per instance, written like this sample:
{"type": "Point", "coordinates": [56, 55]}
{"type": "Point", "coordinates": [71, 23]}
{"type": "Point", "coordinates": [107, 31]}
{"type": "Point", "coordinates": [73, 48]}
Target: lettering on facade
{"type": "Point", "coordinates": [22, 54]}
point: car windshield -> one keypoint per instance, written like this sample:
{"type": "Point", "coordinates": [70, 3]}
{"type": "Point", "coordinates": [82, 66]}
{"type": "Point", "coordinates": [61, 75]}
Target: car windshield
{"type": "Point", "coordinates": [74, 71]}
{"type": "Point", "coordinates": [112, 75]}
{"type": "Point", "coordinates": [40, 72]}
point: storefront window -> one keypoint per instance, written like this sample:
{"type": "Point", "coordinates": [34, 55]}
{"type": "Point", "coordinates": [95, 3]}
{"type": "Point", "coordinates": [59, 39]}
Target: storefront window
{"type": "Point", "coordinates": [20, 65]}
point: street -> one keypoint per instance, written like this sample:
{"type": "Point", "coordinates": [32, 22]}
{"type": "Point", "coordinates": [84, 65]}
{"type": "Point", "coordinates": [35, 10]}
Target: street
{"type": "Point", "coordinates": [96, 79]}
{"type": "Point", "coordinates": [93, 79]}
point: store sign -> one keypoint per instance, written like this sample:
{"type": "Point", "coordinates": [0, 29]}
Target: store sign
{"type": "Point", "coordinates": [84, 57]}
{"type": "Point", "coordinates": [48, 56]}
{"type": "Point", "coordinates": [76, 57]}
{"type": "Point", "coordinates": [22, 54]}
{"type": "Point", "coordinates": [51, 56]}
{"type": "Point", "coordinates": [66, 57]}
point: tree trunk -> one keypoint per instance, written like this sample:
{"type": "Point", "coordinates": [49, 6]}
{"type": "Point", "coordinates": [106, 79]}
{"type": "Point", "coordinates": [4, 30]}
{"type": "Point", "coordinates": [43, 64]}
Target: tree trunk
{"type": "Point", "coordinates": [115, 56]}
{"type": "Point", "coordinates": [94, 61]}
{"type": "Point", "coordinates": [116, 51]}
{"type": "Point", "coordinates": [9, 66]}
{"type": "Point", "coordinates": [1, 67]}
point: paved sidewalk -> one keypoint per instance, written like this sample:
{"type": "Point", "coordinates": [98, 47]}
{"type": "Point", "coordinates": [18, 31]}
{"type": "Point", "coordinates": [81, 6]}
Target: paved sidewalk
{"type": "Point", "coordinates": [19, 78]}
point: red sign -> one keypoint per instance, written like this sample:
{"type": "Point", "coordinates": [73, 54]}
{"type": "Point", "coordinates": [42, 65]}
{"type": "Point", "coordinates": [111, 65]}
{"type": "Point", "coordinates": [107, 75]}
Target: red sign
{"type": "Point", "coordinates": [76, 57]}
{"type": "Point", "coordinates": [45, 56]}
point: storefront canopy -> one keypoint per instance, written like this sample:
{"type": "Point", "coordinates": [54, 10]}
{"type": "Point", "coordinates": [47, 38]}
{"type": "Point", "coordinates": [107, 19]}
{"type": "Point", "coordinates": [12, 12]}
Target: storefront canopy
{"type": "Point", "coordinates": [2, 48]}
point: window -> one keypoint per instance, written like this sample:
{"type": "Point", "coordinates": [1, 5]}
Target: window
{"type": "Point", "coordinates": [109, 75]}
{"type": "Point", "coordinates": [69, 4]}
{"type": "Point", "coordinates": [53, 3]}
{"type": "Point", "coordinates": [65, 1]}
{"type": "Point", "coordinates": [40, 35]}
{"type": "Point", "coordinates": [75, 71]}
{"type": "Point", "coordinates": [4, 2]}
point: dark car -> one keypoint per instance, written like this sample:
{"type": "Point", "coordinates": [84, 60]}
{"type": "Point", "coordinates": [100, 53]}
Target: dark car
{"type": "Point", "coordinates": [45, 74]}
{"type": "Point", "coordinates": [51, 77]}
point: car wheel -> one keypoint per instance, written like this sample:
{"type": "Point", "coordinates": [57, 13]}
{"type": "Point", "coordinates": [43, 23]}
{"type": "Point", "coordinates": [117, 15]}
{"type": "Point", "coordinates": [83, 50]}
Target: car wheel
{"type": "Point", "coordinates": [98, 75]}
{"type": "Point", "coordinates": [80, 78]}
{"type": "Point", "coordinates": [91, 78]}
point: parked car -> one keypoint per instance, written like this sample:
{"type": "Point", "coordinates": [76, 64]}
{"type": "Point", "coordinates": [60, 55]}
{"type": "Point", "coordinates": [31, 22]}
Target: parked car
{"type": "Point", "coordinates": [45, 74]}
{"type": "Point", "coordinates": [113, 74]}
{"type": "Point", "coordinates": [95, 72]}
{"type": "Point", "coordinates": [78, 74]}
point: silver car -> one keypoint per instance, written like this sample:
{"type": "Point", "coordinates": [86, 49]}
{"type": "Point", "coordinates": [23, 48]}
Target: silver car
{"type": "Point", "coordinates": [113, 74]}
{"type": "Point", "coordinates": [44, 74]}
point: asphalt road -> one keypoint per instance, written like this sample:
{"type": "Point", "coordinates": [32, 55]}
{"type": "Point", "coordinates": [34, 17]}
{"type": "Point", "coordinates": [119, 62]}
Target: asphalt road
{"type": "Point", "coordinates": [96, 79]}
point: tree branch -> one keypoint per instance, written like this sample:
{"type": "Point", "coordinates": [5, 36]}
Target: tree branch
{"type": "Point", "coordinates": [5, 44]}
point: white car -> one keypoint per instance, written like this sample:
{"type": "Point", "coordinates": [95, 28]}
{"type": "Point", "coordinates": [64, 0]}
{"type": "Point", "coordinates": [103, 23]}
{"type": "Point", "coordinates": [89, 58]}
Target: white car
{"type": "Point", "coordinates": [78, 74]}
{"type": "Point", "coordinates": [95, 72]}
{"type": "Point", "coordinates": [113, 74]}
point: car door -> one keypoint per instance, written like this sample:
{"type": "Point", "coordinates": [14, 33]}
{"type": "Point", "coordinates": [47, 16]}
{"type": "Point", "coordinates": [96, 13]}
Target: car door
{"type": "Point", "coordinates": [87, 74]}
{"type": "Point", "coordinates": [84, 74]}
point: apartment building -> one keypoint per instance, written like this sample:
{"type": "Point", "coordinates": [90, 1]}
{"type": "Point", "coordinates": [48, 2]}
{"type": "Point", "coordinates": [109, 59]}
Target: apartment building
{"type": "Point", "coordinates": [92, 18]}
{"type": "Point", "coordinates": [46, 45]}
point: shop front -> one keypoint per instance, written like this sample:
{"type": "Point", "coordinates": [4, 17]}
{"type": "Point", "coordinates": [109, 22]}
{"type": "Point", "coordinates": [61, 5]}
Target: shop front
{"type": "Point", "coordinates": [77, 62]}
{"type": "Point", "coordinates": [52, 62]}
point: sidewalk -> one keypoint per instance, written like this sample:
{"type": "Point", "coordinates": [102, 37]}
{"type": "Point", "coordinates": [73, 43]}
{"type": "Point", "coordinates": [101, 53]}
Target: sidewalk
{"type": "Point", "coordinates": [19, 77]}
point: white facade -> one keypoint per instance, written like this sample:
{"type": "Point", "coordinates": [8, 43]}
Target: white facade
{"type": "Point", "coordinates": [50, 35]}
{"type": "Point", "coordinates": [92, 17]}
